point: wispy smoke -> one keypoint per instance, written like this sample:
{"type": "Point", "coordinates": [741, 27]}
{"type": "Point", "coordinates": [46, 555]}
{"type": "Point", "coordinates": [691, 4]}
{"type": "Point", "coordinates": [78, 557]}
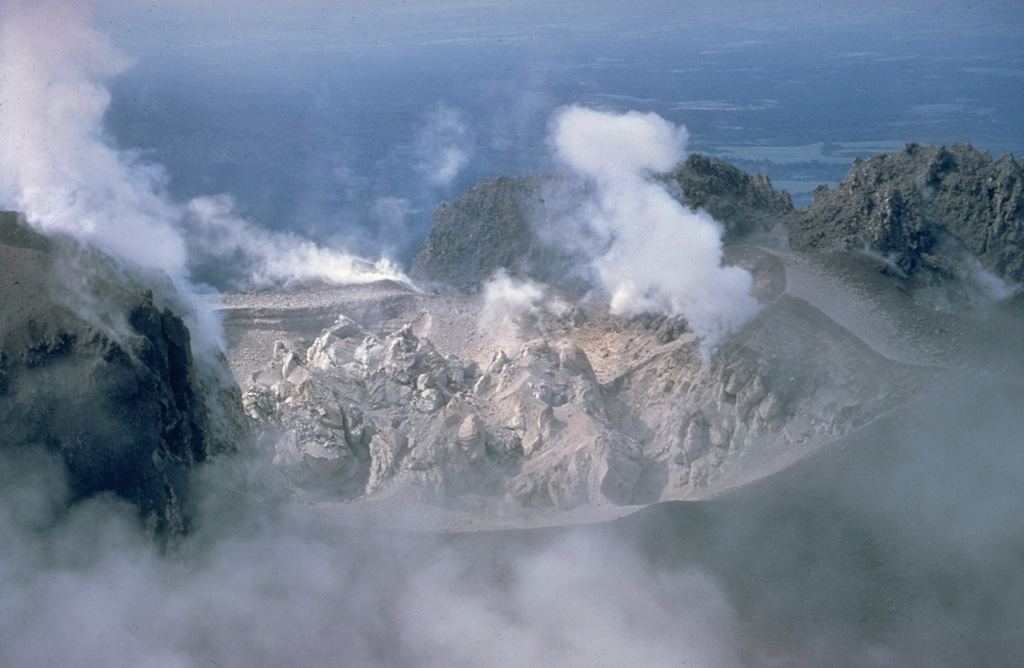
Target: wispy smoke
{"type": "Point", "coordinates": [517, 305]}
{"type": "Point", "coordinates": [243, 255]}
{"type": "Point", "coordinates": [392, 216]}
{"type": "Point", "coordinates": [657, 256]}
{"type": "Point", "coordinates": [443, 145]}
{"type": "Point", "coordinates": [59, 167]}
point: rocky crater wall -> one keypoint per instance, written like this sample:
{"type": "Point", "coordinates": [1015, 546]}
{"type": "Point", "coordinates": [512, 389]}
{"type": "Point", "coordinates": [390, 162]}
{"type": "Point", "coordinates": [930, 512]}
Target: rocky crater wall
{"type": "Point", "coordinates": [104, 380]}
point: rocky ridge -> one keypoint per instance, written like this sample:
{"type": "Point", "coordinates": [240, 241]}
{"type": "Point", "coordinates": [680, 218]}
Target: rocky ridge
{"type": "Point", "coordinates": [934, 212]}
{"type": "Point", "coordinates": [744, 203]}
{"type": "Point", "coordinates": [941, 216]}
{"type": "Point", "coordinates": [101, 375]}
{"type": "Point", "coordinates": [503, 223]}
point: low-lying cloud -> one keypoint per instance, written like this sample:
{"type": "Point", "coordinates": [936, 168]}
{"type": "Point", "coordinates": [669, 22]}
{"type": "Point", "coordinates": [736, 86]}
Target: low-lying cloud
{"type": "Point", "coordinates": [579, 601]}
{"type": "Point", "coordinates": [655, 254]}
{"type": "Point", "coordinates": [264, 583]}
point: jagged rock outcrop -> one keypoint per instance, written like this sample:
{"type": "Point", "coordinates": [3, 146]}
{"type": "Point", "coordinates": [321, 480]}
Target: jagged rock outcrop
{"type": "Point", "coordinates": [357, 415]}
{"type": "Point", "coordinates": [484, 229]}
{"type": "Point", "coordinates": [103, 375]}
{"type": "Point", "coordinates": [933, 211]}
{"type": "Point", "coordinates": [594, 411]}
{"type": "Point", "coordinates": [743, 203]}
{"type": "Point", "coordinates": [345, 414]}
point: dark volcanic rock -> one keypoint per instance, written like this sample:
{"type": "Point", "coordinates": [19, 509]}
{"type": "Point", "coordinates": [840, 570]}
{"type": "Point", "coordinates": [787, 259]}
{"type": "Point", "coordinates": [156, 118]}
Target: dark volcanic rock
{"type": "Point", "coordinates": [743, 203]}
{"type": "Point", "coordinates": [933, 212]}
{"type": "Point", "coordinates": [485, 229]}
{"type": "Point", "coordinates": [922, 208]}
{"type": "Point", "coordinates": [107, 381]}
{"type": "Point", "coordinates": [521, 223]}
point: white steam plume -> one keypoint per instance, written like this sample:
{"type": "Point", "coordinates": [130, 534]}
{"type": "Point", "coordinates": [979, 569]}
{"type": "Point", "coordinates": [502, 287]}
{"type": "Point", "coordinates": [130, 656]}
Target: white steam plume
{"type": "Point", "coordinates": [56, 163]}
{"type": "Point", "coordinates": [60, 169]}
{"type": "Point", "coordinates": [657, 255]}
{"type": "Point", "coordinates": [263, 259]}
{"type": "Point", "coordinates": [511, 305]}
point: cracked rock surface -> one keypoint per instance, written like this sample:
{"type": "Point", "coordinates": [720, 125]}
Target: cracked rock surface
{"type": "Point", "coordinates": [594, 411]}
